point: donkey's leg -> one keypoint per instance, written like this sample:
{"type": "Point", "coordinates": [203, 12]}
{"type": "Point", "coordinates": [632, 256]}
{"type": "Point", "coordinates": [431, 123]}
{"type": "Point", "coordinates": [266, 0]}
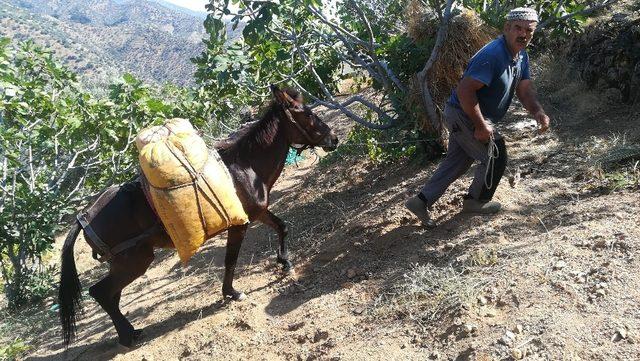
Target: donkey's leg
{"type": "Point", "coordinates": [279, 226]}
{"type": "Point", "coordinates": [125, 268]}
{"type": "Point", "coordinates": [137, 333]}
{"type": "Point", "coordinates": [234, 241]}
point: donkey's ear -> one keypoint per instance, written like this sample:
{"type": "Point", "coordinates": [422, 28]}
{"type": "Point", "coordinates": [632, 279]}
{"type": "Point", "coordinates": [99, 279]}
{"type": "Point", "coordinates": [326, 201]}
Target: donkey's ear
{"type": "Point", "coordinates": [281, 97]}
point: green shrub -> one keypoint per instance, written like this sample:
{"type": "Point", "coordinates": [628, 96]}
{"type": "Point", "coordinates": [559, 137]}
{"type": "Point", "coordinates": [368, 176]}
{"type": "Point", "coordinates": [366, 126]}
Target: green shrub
{"type": "Point", "coordinates": [38, 286]}
{"type": "Point", "coordinates": [380, 146]}
{"type": "Point", "coordinates": [29, 288]}
{"type": "Point", "coordinates": [13, 350]}
{"type": "Point", "coordinates": [405, 56]}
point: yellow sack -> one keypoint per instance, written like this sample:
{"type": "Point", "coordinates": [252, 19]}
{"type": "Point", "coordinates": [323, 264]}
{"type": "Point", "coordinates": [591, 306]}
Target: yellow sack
{"type": "Point", "coordinates": [189, 185]}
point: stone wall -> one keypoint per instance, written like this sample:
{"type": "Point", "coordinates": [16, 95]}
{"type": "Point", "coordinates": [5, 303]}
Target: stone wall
{"type": "Point", "coordinates": [607, 56]}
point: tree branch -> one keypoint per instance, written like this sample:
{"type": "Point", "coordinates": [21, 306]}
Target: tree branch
{"type": "Point", "coordinates": [55, 184]}
{"type": "Point", "coordinates": [422, 75]}
{"type": "Point", "coordinates": [32, 182]}
{"type": "Point", "coordinates": [354, 54]}
{"type": "Point", "coordinates": [336, 28]}
{"type": "Point", "coordinates": [371, 48]}
{"type": "Point", "coordinates": [306, 59]}
{"type": "Point", "coordinates": [393, 77]}
{"type": "Point", "coordinates": [342, 107]}
{"type": "Point", "coordinates": [383, 74]}
{"type": "Point", "coordinates": [337, 106]}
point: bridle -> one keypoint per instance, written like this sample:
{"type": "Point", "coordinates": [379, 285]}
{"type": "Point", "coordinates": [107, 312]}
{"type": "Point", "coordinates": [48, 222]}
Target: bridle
{"type": "Point", "coordinates": [311, 142]}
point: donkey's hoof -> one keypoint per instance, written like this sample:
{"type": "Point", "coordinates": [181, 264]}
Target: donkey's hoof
{"type": "Point", "coordinates": [129, 343]}
{"type": "Point", "coordinates": [235, 295]}
{"type": "Point", "coordinates": [123, 349]}
{"type": "Point", "coordinates": [286, 265]}
{"type": "Point", "coordinates": [238, 296]}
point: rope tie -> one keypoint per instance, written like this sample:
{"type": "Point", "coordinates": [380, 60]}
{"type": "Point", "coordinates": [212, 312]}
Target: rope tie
{"type": "Point", "coordinates": [194, 174]}
{"type": "Point", "coordinates": [195, 177]}
{"type": "Point", "coordinates": [492, 153]}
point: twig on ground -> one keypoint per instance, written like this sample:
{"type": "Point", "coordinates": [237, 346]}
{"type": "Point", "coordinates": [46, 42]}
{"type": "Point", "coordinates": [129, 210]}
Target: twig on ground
{"type": "Point", "coordinates": [543, 225]}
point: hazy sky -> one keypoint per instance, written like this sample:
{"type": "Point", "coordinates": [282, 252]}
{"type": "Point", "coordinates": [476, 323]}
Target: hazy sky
{"type": "Point", "coordinates": [197, 5]}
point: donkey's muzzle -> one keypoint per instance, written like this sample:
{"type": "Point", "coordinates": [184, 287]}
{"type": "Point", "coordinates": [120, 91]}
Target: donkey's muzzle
{"type": "Point", "coordinates": [330, 142]}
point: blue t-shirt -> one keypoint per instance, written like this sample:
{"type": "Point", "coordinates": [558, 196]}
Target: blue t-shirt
{"type": "Point", "coordinates": [494, 67]}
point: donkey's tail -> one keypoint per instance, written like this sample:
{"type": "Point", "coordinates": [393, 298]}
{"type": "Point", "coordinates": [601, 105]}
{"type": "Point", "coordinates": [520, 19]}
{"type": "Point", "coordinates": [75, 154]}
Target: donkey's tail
{"type": "Point", "coordinates": [69, 289]}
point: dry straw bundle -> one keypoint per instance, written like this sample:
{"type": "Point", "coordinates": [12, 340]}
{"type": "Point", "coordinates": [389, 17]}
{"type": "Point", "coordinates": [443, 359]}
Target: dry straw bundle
{"type": "Point", "coordinates": [465, 36]}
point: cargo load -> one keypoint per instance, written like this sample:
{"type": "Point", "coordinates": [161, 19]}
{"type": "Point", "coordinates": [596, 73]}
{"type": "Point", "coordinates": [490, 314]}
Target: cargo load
{"type": "Point", "coordinates": [188, 184]}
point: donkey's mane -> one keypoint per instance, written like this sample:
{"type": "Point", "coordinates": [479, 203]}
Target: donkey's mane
{"type": "Point", "coordinates": [258, 133]}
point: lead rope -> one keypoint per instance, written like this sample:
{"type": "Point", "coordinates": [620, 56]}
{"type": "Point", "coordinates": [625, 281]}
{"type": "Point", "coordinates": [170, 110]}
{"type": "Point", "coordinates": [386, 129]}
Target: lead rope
{"type": "Point", "coordinates": [492, 153]}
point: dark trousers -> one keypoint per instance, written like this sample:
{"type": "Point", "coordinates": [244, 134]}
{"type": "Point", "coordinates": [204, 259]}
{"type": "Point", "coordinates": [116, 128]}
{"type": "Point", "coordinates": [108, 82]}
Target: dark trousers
{"type": "Point", "coordinates": [463, 150]}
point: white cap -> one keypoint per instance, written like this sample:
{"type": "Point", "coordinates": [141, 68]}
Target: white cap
{"type": "Point", "coordinates": [527, 14]}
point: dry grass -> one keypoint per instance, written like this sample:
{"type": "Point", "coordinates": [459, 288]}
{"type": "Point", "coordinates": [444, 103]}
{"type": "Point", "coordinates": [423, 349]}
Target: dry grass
{"type": "Point", "coordinates": [466, 35]}
{"type": "Point", "coordinates": [563, 86]}
{"type": "Point", "coordinates": [483, 257]}
{"type": "Point", "coordinates": [421, 21]}
{"type": "Point", "coordinates": [428, 293]}
{"type": "Point", "coordinates": [613, 162]}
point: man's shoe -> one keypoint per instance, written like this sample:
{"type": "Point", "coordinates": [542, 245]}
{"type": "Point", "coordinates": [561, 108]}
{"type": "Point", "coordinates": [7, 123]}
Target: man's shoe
{"type": "Point", "coordinates": [475, 206]}
{"type": "Point", "coordinates": [419, 208]}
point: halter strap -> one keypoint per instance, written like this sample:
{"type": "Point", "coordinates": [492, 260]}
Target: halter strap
{"type": "Point", "coordinates": [305, 134]}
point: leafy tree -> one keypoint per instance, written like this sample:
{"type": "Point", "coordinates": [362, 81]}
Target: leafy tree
{"type": "Point", "coordinates": [310, 43]}
{"type": "Point", "coordinates": [289, 41]}
{"type": "Point", "coordinates": [59, 146]}
{"type": "Point", "coordinates": [566, 17]}
{"type": "Point", "coordinates": [221, 69]}
{"type": "Point", "coordinates": [43, 157]}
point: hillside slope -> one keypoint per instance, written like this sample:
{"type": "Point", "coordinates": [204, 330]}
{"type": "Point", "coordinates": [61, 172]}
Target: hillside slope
{"type": "Point", "coordinates": [199, 14]}
{"type": "Point", "coordinates": [552, 277]}
{"type": "Point", "coordinates": [100, 39]}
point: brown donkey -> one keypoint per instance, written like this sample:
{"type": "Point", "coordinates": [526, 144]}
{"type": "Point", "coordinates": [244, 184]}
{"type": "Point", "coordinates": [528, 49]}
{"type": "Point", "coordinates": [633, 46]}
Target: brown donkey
{"type": "Point", "coordinates": [123, 229]}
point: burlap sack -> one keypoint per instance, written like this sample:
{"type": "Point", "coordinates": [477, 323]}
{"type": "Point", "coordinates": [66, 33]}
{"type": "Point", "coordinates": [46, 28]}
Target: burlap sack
{"type": "Point", "coordinates": [189, 185]}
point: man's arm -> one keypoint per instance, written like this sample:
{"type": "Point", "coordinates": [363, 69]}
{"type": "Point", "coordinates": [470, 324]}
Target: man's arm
{"type": "Point", "coordinates": [466, 91]}
{"type": "Point", "coordinates": [527, 96]}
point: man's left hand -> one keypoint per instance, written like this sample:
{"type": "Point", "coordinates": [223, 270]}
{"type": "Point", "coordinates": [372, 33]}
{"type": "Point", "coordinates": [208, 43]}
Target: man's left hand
{"type": "Point", "coordinates": [543, 122]}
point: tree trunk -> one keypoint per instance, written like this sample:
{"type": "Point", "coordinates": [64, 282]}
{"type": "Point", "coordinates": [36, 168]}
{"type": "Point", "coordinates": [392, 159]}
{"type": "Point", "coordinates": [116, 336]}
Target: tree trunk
{"type": "Point", "coordinates": [422, 76]}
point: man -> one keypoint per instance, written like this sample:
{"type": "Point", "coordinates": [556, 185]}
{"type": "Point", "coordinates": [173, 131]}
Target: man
{"type": "Point", "coordinates": [482, 97]}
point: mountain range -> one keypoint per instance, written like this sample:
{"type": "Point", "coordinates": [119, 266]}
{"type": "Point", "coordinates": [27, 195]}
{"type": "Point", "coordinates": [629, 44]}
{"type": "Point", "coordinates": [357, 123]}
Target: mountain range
{"type": "Point", "coordinates": [102, 39]}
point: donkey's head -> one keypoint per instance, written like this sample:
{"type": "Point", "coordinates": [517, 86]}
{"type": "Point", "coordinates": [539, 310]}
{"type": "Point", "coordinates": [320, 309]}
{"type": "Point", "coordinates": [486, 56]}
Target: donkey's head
{"type": "Point", "coordinates": [301, 124]}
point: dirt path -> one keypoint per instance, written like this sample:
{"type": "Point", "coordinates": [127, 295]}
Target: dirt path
{"type": "Point", "coordinates": [552, 277]}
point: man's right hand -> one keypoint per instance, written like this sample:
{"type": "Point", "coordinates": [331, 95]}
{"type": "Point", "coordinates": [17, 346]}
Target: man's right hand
{"type": "Point", "coordinates": [483, 134]}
